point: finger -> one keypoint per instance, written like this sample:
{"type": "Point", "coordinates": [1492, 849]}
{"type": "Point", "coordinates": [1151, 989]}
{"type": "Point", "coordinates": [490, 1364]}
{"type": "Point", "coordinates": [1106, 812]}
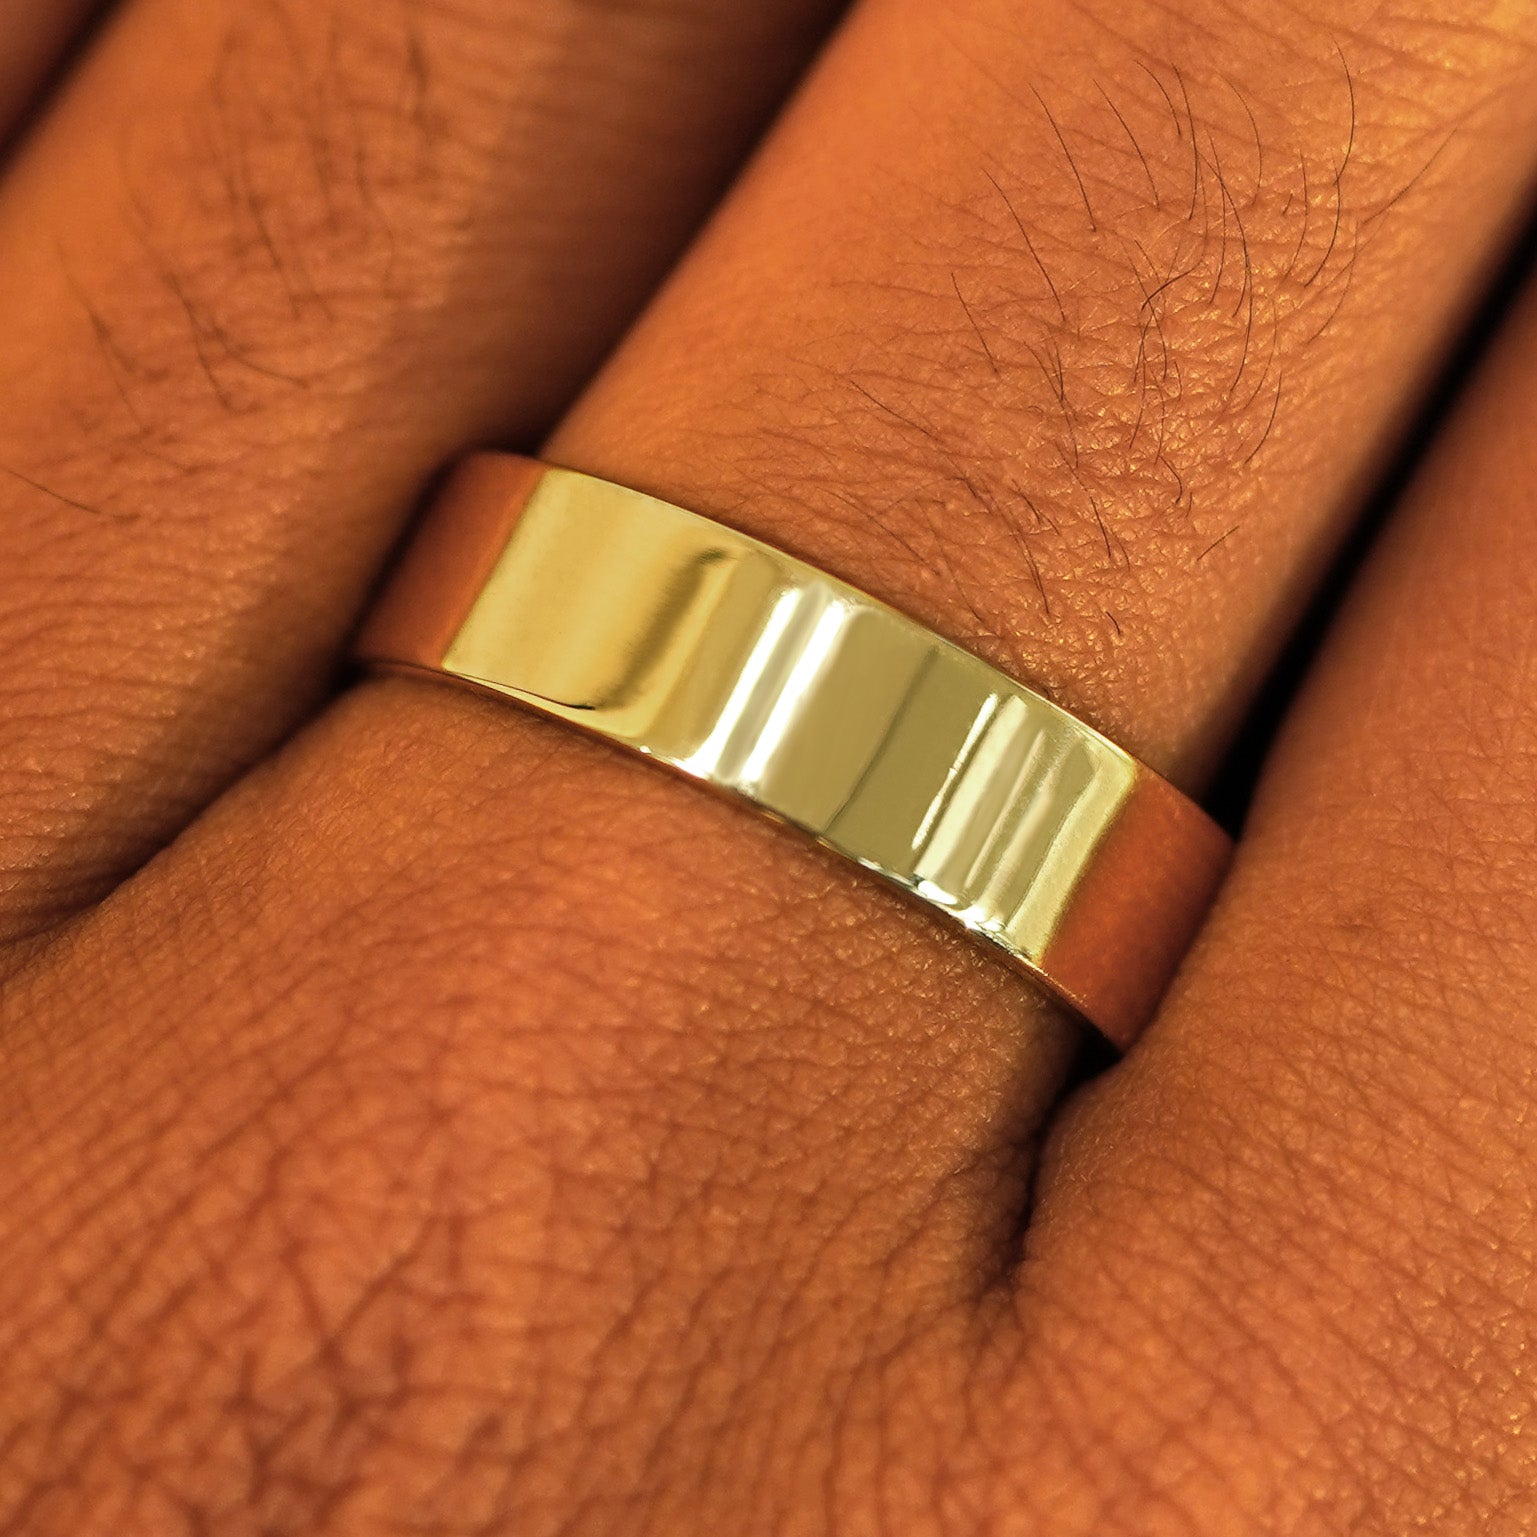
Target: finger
{"type": "Point", "coordinates": [698, 1151]}
{"type": "Point", "coordinates": [1305, 1207]}
{"type": "Point", "coordinates": [279, 263]}
{"type": "Point", "coordinates": [32, 37]}
{"type": "Point", "coordinates": [847, 365]}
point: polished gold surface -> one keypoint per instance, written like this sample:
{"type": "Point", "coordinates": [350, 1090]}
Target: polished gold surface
{"type": "Point", "coordinates": [756, 673]}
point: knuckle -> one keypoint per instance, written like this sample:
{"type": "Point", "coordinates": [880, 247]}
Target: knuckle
{"type": "Point", "coordinates": [448, 1185]}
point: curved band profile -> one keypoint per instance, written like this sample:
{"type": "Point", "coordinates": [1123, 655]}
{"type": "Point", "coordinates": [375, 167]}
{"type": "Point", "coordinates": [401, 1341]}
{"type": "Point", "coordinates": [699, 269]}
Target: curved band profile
{"type": "Point", "coordinates": [742, 667]}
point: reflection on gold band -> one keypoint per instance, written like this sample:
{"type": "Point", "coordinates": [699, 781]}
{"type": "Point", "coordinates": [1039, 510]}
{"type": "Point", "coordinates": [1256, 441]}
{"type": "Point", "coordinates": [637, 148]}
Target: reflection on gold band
{"type": "Point", "coordinates": [742, 667]}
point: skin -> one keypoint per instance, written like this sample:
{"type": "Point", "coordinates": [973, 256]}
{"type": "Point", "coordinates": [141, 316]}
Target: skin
{"type": "Point", "coordinates": [459, 1127]}
{"type": "Point", "coordinates": [35, 38]}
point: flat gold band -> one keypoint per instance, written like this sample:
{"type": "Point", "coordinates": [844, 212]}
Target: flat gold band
{"type": "Point", "coordinates": [758, 674]}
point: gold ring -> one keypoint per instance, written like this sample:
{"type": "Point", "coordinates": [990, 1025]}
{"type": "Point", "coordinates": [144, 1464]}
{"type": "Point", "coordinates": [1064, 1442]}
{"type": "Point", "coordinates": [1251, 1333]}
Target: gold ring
{"type": "Point", "coordinates": [755, 673]}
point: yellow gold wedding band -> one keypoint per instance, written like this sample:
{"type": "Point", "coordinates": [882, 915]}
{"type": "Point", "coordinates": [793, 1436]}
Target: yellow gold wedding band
{"type": "Point", "coordinates": [753, 672]}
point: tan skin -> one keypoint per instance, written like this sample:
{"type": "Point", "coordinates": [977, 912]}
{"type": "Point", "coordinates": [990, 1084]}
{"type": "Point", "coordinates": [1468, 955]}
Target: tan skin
{"type": "Point", "coordinates": [417, 1119]}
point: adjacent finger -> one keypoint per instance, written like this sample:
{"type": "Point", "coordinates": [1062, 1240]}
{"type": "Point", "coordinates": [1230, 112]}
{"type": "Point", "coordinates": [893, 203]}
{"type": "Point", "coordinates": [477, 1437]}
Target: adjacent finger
{"type": "Point", "coordinates": [33, 34]}
{"type": "Point", "coordinates": [280, 262]}
{"type": "Point", "coordinates": [1304, 1208]}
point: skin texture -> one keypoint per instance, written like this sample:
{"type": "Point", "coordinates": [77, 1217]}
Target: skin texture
{"type": "Point", "coordinates": [332, 247]}
{"type": "Point", "coordinates": [461, 1128]}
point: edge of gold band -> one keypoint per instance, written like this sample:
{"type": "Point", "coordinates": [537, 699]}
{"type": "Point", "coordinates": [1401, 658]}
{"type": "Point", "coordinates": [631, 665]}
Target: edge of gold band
{"type": "Point", "coordinates": [756, 673]}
